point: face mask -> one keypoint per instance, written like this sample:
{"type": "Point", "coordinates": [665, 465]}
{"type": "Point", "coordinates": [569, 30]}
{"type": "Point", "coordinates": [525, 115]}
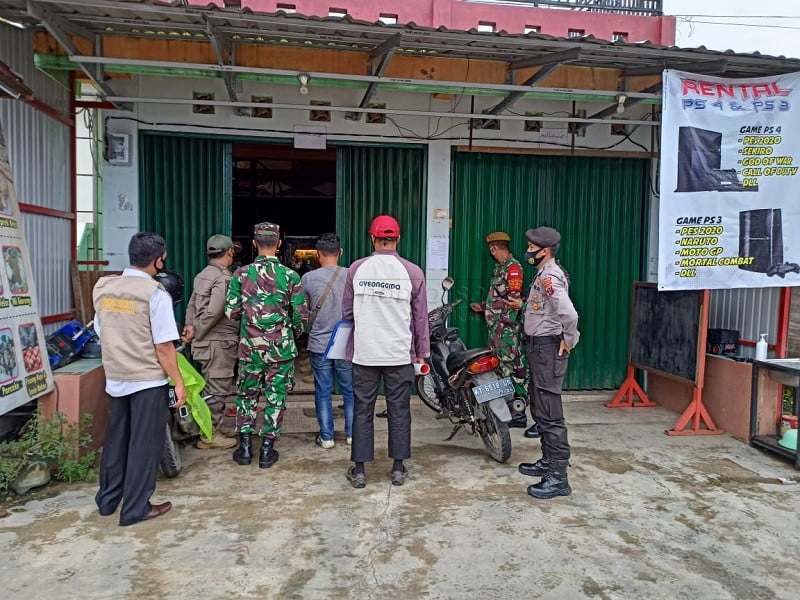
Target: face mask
{"type": "Point", "coordinates": [532, 259]}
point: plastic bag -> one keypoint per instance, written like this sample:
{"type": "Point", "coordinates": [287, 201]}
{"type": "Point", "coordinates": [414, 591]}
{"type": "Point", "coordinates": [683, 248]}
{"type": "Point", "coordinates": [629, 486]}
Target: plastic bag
{"type": "Point", "coordinates": [194, 384]}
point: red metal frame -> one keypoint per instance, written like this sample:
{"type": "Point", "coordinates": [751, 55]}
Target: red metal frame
{"type": "Point", "coordinates": [56, 318]}
{"type": "Point", "coordinates": [43, 210]}
{"type": "Point", "coordinates": [94, 104]}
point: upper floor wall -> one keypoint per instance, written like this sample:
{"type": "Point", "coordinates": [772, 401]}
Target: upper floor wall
{"type": "Point", "coordinates": [513, 17]}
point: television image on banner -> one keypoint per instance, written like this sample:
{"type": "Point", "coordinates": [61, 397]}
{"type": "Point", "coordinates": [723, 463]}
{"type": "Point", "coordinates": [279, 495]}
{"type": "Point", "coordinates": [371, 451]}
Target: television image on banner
{"type": "Point", "coordinates": [700, 161]}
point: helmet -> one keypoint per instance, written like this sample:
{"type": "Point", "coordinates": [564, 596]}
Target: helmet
{"type": "Point", "coordinates": [172, 282]}
{"type": "Point", "coordinates": [789, 439]}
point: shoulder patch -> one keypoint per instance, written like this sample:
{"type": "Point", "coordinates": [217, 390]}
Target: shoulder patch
{"type": "Point", "coordinates": [547, 282]}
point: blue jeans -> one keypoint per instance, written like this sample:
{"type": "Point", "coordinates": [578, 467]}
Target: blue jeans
{"type": "Point", "coordinates": [323, 389]}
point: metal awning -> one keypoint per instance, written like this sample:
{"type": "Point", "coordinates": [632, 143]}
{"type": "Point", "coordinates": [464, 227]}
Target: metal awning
{"type": "Point", "coordinates": [175, 20]}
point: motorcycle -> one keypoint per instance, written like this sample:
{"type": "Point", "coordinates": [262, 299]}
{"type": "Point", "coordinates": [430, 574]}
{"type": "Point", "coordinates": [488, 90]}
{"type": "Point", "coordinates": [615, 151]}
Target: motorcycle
{"type": "Point", "coordinates": [464, 385]}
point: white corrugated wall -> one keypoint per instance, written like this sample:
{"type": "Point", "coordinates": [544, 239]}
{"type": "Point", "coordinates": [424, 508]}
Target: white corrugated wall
{"type": "Point", "coordinates": [750, 311]}
{"type": "Point", "coordinates": [39, 150]}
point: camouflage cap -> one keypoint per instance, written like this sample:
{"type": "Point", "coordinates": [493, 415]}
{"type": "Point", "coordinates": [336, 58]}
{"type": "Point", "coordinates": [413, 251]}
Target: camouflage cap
{"type": "Point", "coordinates": [544, 237]}
{"type": "Point", "coordinates": [497, 236]}
{"type": "Point", "coordinates": [266, 229]}
{"type": "Point", "coordinates": [218, 243]}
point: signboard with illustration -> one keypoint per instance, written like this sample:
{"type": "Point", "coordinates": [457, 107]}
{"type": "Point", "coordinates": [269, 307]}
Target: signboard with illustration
{"type": "Point", "coordinates": [730, 153]}
{"type": "Point", "coordinates": [24, 367]}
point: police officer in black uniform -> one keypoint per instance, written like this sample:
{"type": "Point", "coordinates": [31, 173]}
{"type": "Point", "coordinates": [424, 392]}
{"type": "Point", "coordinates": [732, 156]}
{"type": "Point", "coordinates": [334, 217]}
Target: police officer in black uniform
{"type": "Point", "coordinates": [551, 324]}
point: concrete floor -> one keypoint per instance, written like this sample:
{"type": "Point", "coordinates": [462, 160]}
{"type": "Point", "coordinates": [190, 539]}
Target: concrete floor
{"type": "Point", "coordinates": [651, 516]}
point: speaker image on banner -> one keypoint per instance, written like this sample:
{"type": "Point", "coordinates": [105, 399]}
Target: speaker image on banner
{"type": "Point", "coordinates": [699, 162]}
{"type": "Point", "coordinates": [761, 236]}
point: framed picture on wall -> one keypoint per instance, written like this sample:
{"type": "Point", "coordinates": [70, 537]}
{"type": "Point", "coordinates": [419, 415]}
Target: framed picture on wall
{"type": "Point", "coordinates": [118, 149]}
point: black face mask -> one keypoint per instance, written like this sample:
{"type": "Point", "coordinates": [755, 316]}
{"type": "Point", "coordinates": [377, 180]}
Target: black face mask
{"type": "Point", "coordinates": [532, 259]}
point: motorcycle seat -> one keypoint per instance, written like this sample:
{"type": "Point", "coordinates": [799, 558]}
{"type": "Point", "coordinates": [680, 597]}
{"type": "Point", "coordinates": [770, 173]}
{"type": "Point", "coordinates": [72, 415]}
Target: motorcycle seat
{"type": "Point", "coordinates": [460, 359]}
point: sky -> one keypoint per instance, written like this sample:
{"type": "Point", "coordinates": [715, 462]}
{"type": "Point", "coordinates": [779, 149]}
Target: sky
{"type": "Point", "coordinates": [768, 26]}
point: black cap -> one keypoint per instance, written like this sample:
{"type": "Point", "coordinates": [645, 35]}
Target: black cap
{"type": "Point", "coordinates": [544, 237]}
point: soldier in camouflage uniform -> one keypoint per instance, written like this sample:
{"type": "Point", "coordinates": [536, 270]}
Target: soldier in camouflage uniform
{"type": "Point", "coordinates": [505, 323]}
{"type": "Point", "coordinates": [269, 300]}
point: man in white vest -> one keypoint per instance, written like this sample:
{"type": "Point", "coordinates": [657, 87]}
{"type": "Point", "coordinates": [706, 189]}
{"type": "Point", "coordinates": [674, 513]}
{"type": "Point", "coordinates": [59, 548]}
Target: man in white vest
{"type": "Point", "coordinates": [385, 297]}
{"type": "Point", "coordinates": [136, 324]}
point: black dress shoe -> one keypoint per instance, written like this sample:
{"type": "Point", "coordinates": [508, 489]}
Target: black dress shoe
{"type": "Point", "coordinates": [519, 420]}
{"type": "Point", "coordinates": [534, 431]}
{"type": "Point", "coordinates": [382, 415]}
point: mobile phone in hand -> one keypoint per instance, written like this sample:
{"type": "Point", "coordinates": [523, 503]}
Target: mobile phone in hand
{"type": "Point", "coordinates": [173, 399]}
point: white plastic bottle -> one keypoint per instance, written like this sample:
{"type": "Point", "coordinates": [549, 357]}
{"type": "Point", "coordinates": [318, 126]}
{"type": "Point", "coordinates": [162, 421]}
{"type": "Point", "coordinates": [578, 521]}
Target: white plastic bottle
{"type": "Point", "coordinates": [761, 347]}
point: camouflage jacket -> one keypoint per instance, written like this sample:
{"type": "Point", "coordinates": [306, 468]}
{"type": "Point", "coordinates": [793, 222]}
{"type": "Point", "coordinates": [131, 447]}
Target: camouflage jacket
{"type": "Point", "coordinates": [506, 283]}
{"type": "Point", "coordinates": [269, 300]}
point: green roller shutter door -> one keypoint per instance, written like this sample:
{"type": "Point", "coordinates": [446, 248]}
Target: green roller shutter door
{"type": "Point", "coordinates": [374, 180]}
{"type": "Point", "coordinates": [185, 192]}
{"type": "Point", "coordinates": [598, 204]}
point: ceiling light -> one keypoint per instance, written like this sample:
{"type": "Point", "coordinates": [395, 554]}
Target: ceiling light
{"type": "Point", "coordinates": [303, 79]}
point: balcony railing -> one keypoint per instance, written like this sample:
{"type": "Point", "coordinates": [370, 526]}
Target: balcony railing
{"type": "Point", "coordinates": [644, 8]}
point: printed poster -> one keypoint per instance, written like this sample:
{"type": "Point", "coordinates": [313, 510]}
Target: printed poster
{"type": "Point", "coordinates": [730, 152]}
{"type": "Point", "coordinates": [24, 365]}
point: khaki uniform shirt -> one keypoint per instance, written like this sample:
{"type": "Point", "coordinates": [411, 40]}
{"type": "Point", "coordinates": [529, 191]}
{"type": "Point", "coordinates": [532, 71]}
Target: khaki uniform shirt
{"type": "Point", "coordinates": [549, 310]}
{"type": "Point", "coordinates": [206, 308]}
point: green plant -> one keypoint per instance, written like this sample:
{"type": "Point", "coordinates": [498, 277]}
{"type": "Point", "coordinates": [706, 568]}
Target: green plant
{"type": "Point", "coordinates": [55, 440]}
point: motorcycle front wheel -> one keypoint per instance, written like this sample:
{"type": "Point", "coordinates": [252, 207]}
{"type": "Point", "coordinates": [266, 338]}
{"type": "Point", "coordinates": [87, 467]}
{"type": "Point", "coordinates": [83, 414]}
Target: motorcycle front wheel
{"type": "Point", "coordinates": [171, 463]}
{"type": "Point", "coordinates": [426, 390]}
{"type": "Point", "coordinates": [496, 437]}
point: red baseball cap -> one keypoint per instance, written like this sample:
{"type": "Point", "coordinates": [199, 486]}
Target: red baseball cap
{"type": "Point", "coordinates": [384, 226]}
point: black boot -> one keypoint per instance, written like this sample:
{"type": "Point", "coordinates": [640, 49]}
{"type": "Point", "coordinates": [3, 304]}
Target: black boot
{"type": "Point", "coordinates": [538, 469]}
{"type": "Point", "coordinates": [554, 483]}
{"type": "Point", "coordinates": [268, 456]}
{"type": "Point", "coordinates": [534, 431]}
{"type": "Point", "coordinates": [518, 420]}
{"type": "Point", "coordinates": [244, 453]}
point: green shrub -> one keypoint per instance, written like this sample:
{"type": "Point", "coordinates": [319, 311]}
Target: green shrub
{"type": "Point", "coordinates": [56, 440]}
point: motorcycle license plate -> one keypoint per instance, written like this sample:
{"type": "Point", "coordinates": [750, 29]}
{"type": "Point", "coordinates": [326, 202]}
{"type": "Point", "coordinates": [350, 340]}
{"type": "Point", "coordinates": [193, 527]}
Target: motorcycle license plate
{"type": "Point", "coordinates": [494, 389]}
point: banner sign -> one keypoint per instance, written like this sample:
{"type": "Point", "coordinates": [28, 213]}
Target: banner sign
{"type": "Point", "coordinates": [730, 152]}
{"type": "Point", "coordinates": [24, 365]}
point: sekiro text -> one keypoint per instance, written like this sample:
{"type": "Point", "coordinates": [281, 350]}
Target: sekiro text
{"type": "Point", "coordinates": [737, 91]}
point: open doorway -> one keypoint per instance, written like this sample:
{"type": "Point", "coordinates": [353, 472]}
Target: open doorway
{"type": "Point", "coordinates": [294, 188]}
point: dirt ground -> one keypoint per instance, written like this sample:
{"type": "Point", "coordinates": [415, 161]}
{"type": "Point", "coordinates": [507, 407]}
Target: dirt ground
{"type": "Point", "coordinates": [651, 516]}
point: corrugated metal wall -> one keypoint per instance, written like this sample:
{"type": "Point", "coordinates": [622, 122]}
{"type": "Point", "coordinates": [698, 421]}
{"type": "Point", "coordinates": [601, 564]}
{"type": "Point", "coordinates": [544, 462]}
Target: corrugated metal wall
{"type": "Point", "coordinates": [751, 311]}
{"type": "Point", "coordinates": [39, 150]}
{"type": "Point", "coordinates": [374, 180]}
{"type": "Point", "coordinates": [185, 195]}
{"type": "Point", "coordinates": [598, 204]}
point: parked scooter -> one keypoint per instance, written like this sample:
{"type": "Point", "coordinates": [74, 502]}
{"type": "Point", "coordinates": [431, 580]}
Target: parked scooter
{"type": "Point", "coordinates": [464, 385]}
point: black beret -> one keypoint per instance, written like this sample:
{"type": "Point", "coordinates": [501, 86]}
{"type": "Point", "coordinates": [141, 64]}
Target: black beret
{"type": "Point", "coordinates": [544, 237]}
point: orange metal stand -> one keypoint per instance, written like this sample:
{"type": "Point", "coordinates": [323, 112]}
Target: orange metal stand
{"type": "Point", "coordinates": [627, 393]}
{"type": "Point", "coordinates": [696, 412]}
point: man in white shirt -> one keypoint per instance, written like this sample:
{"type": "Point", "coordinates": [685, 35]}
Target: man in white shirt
{"type": "Point", "coordinates": [136, 325]}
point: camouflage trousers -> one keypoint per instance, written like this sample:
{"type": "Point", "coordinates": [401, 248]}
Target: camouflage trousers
{"type": "Point", "coordinates": [274, 380]}
{"type": "Point", "coordinates": [513, 363]}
